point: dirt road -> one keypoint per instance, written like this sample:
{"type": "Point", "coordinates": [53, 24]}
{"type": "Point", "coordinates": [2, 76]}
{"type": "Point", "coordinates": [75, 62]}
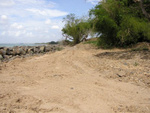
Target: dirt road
{"type": "Point", "coordinates": [75, 80]}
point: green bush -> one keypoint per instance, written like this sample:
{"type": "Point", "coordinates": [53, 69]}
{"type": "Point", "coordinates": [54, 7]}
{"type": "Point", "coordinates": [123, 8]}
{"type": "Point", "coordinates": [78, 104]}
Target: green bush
{"type": "Point", "coordinates": [93, 42]}
{"type": "Point", "coordinates": [120, 23]}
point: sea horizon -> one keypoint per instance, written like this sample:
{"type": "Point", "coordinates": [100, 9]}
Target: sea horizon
{"type": "Point", "coordinates": [20, 44]}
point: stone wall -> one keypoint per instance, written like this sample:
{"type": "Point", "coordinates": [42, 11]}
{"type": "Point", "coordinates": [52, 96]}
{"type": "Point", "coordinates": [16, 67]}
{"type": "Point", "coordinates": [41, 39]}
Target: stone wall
{"type": "Point", "coordinates": [8, 53]}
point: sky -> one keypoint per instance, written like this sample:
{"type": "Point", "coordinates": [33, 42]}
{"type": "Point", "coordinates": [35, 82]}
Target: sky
{"type": "Point", "coordinates": [37, 21]}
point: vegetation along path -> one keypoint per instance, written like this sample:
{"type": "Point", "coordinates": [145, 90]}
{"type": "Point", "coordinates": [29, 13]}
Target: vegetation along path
{"type": "Point", "coordinates": [77, 80]}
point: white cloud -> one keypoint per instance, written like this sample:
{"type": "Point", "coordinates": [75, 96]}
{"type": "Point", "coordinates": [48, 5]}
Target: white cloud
{"type": "Point", "coordinates": [30, 34]}
{"type": "Point", "coordinates": [48, 21]}
{"type": "Point", "coordinates": [55, 27]}
{"type": "Point", "coordinates": [20, 27]}
{"type": "Point", "coordinates": [29, 1]}
{"type": "Point", "coordinates": [43, 3]}
{"type": "Point", "coordinates": [29, 21]}
{"type": "Point", "coordinates": [6, 3]}
{"type": "Point", "coordinates": [16, 26]}
{"type": "Point", "coordinates": [37, 28]}
{"type": "Point", "coordinates": [18, 33]}
{"type": "Point", "coordinates": [4, 17]}
{"type": "Point", "coordinates": [3, 20]}
{"type": "Point", "coordinates": [46, 31]}
{"type": "Point", "coordinates": [94, 2]}
{"type": "Point", "coordinates": [47, 12]}
{"type": "Point", "coordinates": [3, 33]}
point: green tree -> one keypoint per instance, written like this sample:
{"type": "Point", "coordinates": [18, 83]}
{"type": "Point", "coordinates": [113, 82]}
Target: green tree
{"type": "Point", "coordinates": [76, 29]}
{"type": "Point", "coordinates": [121, 22]}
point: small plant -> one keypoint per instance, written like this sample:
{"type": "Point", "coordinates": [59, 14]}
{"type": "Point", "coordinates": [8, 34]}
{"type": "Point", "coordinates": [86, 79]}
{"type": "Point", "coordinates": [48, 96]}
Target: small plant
{"type": "Point", "coordinates": [136, 64]}
{"type": "Point", "coordinates": [91, 42]}
{"type": "Point", "coordinates": [145, 49]}
{"type": "Point", "coordinates": [140, 49]}
{"type": "Point", "coordinates": [59, 48]}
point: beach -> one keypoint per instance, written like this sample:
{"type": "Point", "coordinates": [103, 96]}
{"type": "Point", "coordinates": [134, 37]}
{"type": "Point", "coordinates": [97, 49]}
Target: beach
{"type": "Point", "coordinates": [79, 79]}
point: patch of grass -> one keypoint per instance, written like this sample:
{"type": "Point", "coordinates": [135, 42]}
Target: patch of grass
{"type": "Point", "coordinates": [93, 42]}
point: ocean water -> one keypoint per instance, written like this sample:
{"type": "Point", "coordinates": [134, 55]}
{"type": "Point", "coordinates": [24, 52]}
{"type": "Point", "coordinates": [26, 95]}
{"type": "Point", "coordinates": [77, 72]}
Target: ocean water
{"type": "Point", "coordinates": [19, 44]}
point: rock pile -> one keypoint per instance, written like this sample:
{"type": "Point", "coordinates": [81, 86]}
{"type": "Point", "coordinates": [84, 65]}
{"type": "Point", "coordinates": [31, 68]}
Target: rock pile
{"type": "Point", "coordinates": [7, 53]}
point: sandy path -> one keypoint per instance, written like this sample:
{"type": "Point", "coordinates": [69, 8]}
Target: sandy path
{"type": "Point", "coordinates": [72, 81]}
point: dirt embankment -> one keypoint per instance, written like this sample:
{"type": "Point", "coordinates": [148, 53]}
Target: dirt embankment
{"type": "Point", "coordinates": [77, 80]}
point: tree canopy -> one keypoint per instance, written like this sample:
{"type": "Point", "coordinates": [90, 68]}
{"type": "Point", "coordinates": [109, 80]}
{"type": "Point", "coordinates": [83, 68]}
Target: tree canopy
{"type": "Point", "coordinates": [121, 22]}
{"type": "Point", "coordinates": [117, 23]}
{"type": "Point", "coordinates": [76, 29]}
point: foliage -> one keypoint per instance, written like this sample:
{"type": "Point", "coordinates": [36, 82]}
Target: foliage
{"type": "Point", "coordinates": [94, 42]}
{"type": "Point", "coordinates": [120, 23]}
{"type": "Point", "coordinates": [65, 42]}
{"type": "Point", "coordinates": [59, 48]}
{"type": "Point", "coordinates": [76, 29]}
{"type": "Point", "coordinates": [53, 42]}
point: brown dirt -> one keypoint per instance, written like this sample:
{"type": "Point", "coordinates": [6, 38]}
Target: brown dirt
{"type": "Point", "coordinates": [76, 80]}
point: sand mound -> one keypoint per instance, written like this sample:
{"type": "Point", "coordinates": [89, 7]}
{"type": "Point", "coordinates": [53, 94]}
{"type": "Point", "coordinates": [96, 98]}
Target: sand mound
{"type": "Point", "coordinates": [76, 80]}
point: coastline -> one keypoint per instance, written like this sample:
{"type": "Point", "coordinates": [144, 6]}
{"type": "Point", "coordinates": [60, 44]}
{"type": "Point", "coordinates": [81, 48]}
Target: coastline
{"type": "Point", "coordinates": [21, 44]}
{"type": "Point", "coordinates": [10, 53]}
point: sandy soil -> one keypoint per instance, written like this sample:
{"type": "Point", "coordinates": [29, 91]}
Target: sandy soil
{"type": "Point", "coordinates": [76, 80]}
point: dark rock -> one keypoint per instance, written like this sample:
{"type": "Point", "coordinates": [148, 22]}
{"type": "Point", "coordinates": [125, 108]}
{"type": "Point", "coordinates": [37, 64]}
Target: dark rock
{"type": "Point", "coordinates": [71, 88]}
{"type": "Point", "coordinates": [7, 54]}
{"type": "Point", "coordinates": [9, 51]}
{"type": "Point", "coordinates": [1, 47]}
{"type": "Point", "coordinates": [6, 50]}
{"type": "Point", "coordinates": [121, 74]}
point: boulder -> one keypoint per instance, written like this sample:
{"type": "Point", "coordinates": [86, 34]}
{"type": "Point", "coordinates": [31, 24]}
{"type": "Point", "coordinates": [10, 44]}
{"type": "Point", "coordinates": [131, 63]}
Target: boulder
{"type": "Point", "coordinates": [26, 48]}
{"type": "Point", "coordinates": [1, 57]}
{"type": "Point", "coordinates": [2, 52]}
{"type": "Point", "coordinates": [48, 48]}
{"type": "Point", "coordinates": [18, 51]}
{"type": "Point", "coordinates": [30, 51]}
{"type": "Point", "coordinates": [21, 51]}
{"type": "Point", "coordinates": [7, 51]}
{"type": "Point", "coordinates": [14, 51]}
{"type": "Point", "coordinates": [36, 50]}
{"type": "Point", "coordinates": [1, 47]}
{"type": "Point", "coordinates": [53, 49]}
{"type": "Point", "coordinates": [42, 49]}
{"type": "Point", "coordinates": [10, 51]}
